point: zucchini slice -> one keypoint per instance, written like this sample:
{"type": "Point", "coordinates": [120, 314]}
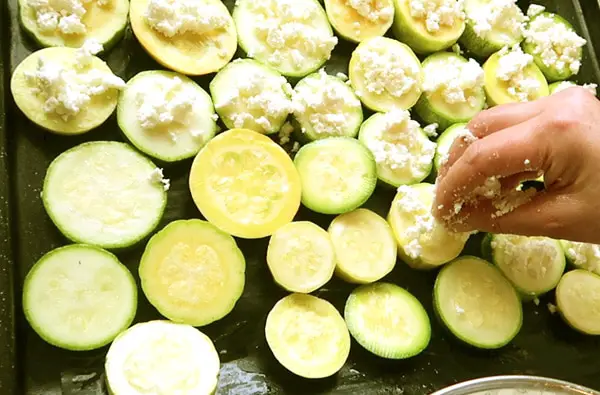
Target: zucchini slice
{"type": "Point", "coordinates": [387, 320]}
{"type": "Point", "coordinates": [477, 303]}
{"type": "Point", "coordinates": [364, 245]}
{"type": "Point", "coordinates": [193, 37]}
{"type": "Point", "coordinates": [308, 336]}
{"type": "Point", "coordinates": [359, 20]}
{"type": "Point", "coordinates": [324, 107]}
{"type": "Point", "coordinates": [71, 23]}
{"type": "Point", "coordinates": [79, 297]}
{"type": "Point", "coordinates": [66, 90]}
{"type": "Point", "coordinates": [512, 76]}
{"type": "Point", "coordinates": [166, 115]}
{"type": "Point", "coordinates": [534, 265]}
{"type": "Point", "coordinates": [245, 184]}
{"type": "Point", "coordinates": [558, 86]}
{"type": "Point", "coordinates": [403, 152]}
{"type": "Point", "coordinates": [429, 26]}
{"type": "Point", "coordinates": [578, 301]}
{"type": "Point", "coordinates": [300, 257]}
{"type": "Point", "coordinates": [582, 255]}
{"type": "Point", "coordinates": [452, 89]}
{"type": "Point", "coordinates": [424, 243]}
{"type": "Point", "coordinates": [555, 46]}
{"type": "Point", "coordinates": [104, 193]}
{"type": "Point", "coordinates": [338, 174]}
{"type": "Point", "coordinates": [445, 141]}
{"type": "Point", "coordinates": [167, 357]}
{"type": "Point", "coordinates": [385, 74]}
{"type": "Point", "coordinates": [253, 96]}
{"type": "Point", "coordinates": [192, 272]}
{"type": "Point", "coordinates": [491, 26]}
{"type": "Point", "coordinates": [294, 37]}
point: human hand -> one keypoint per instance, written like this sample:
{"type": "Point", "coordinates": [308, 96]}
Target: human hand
{"type": "Point", "coordinates": [557, 136]}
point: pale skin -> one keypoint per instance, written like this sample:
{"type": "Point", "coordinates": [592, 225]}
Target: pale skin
{"type": "Point", "coordinates": [558, 136]}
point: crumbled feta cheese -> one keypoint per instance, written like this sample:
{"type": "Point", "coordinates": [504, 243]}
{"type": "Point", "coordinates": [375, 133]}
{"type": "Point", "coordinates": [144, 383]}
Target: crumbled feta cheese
{"type": "Point", "coordinates": [387, 69]}
{"type": "Point", "coordinates": [536, 301]}
{"type": "Point", "coordinates": [323, 105]}
{"type": "Point", "coordinates": [437, 13]}
{"type": "Point", "coordinates": [171, 101]}
{"type": "Point", "coordinates": [584, 255]}
{"type": "Point", "coordinates": [68, 90]}
{"type": "Point", "coordinates": [176, 17]}
{"type": "Point", "coordinates": [342, 76]}
{"type": "Point", "coordinates": [490, 188]}
{"type": "Point", "coordinates": [526, 162]}
{"type": "Point", "coordinates": [255, 99]}
{"type": "Point", "coordinates": [561, 86]}
{"type": "Point", "coordinates": [376, 11]}
{"type": "Point", "coordinates": [284, 134]}
{"type": "Point", "coordinates": [399, 145]}
{"type": "Point", "coordinates": [503, 18]}
{"type": "Point", "coordinates": [431, 130]}
{"type": "Point", "coordinates": [456, 81]}
{"type": "Point", "coordinates": [557, 45]}
{"type": "Point", "coordinates": [296, 146]}
{"type": "Point", "coordinates": [535, 9]}
{"type": "Point", "coordinates": [62, 16]}
{"type": "Point", "coordinates": [512, 200]}
{"type": "Point", "coordinates": [86, 52]}
{"type": "Point", "coordinates": [552, 308]}
{"type": "Point", "coordinates": [511, 69]}
{"type": "Point", "coordinates": [157, 177]}
{"type": "Point", "coordinates": [287, 32]}
{"type": "Point", "coordinates": [424, 221]}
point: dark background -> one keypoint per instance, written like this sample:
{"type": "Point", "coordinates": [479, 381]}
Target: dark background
{"type": "Point", "coordinates": [545, 345]}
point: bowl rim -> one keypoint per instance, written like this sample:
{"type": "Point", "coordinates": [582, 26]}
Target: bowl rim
{"type": "Point", "coordinates": [516, 382]}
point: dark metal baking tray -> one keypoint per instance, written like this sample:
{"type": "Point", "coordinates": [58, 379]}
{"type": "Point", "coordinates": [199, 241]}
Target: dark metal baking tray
{"type": "Point", "coordinates": [29, 366]}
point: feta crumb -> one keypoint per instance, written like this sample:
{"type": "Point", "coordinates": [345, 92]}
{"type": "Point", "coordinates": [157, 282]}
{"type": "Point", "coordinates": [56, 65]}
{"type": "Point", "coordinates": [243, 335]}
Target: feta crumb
{"type": "Point", "coordinates": [157, 177]}
{"type": "Point", "coordinates": [215, 117]}
{"type": "Point", "coordinates": [66, 91]}
{"type": "Point", "coordinates": [526, 162]}
{"type": "Point", "coordinates": [431, 130]}
{"type": "Point", "coordinates": [296, 146]}
{"type": "Point", "coordinates": [437, 13]}
{"type": "Point", "coordinates": [170, 103]}
{"type": "Point", "coordinates": [378, 11]}
{"type": "Point", "coordinates": [86, 52]}
{"type": "Point", "coordinates": [171, 18]}
{"type": "Point", "coordinates": [535, 9]}
{"type": "Point", "coordinates": [322, 103]}
{"type": "Point", "coordinates": [536, 301]}
{"type": "Point", "coordinates": [511, 201]}
{"type": "Point", "coordinates": [286, 32]}
{"type": "Point", "coordinates": [284, 134]}
{"type": "Point", "coordinates": [255, 99]}
{"type": "Point", "coordinates": [552, 308]}
{"type": "Point", "coordinates": [561, 86]}
{"type": "Point", "coordinates": [386, 69]}
{"type": "Point", "coordinates": [557, 45]}
{"type": "Point", "coordinates": [584, 256]}
{"type": "Point", "coordinates": [498, 16]}
{"type": "Point", "coordinates": [424, 220]}
{"type": "Point", "coordinates": [398, 145]}
{"type": "Point", "coordinates": [511, 69]}
{"type": "Point", "coordinates": [62, 16]}
{"type": "Point", "coordinates": [456, 82]}
{"type": "Point", "coordinates": [342, 76]}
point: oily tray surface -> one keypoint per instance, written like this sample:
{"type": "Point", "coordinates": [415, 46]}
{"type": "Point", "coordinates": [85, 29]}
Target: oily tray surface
{"type": "Point", "coordinates": [545, 345]}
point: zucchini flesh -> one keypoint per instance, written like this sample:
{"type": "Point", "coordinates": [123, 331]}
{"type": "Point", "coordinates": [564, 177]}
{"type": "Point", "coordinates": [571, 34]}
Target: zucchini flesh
{"type": "Point", "coordinates": [387, 320]}
{"type": "Point", "coordinates": [578, 300]}
{"type": "Point", "coordinates": [477, 303]}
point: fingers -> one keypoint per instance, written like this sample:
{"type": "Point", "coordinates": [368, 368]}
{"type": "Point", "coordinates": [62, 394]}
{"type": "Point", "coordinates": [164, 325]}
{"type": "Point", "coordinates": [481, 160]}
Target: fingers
{"type": "Point", "coordinates": [548, 214]}
{"type": "Point", "coordinates": [512, 151]}
{"type": "Point", "coordinates": [504, 116]}
{"type": "Point", "coordinates": [458, 147]}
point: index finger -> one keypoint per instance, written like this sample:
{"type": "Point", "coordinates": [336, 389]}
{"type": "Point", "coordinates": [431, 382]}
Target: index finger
{"type": "Point", "coordinates": [504, 116]}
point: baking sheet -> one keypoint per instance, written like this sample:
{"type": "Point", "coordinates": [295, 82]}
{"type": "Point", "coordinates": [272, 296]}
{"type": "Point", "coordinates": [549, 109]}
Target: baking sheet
{"type": "Point", "coordinates": [544, 347]}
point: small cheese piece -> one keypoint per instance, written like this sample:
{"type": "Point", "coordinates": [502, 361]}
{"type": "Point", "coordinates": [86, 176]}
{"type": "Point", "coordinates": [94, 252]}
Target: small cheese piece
{"type": "Point", "coordinates": [502, 19]}
{"type": "Point", "coordinates": [169, 102]}
{"type": "Point", "coordinates": [326, 107]}
{"type": "Point", "coordinates": [437, 14]}
{"type": "Point", "coordinates": [63, 16]}
{"type": "Point", "coordinates": [458, 82]}
{"type": "Point", "coordinates": [557, 45]}
{"type": "Point", "coordinates": [376, 11]}
{"type": "Point", "coordinates": [424, 222]}
{"type": "Point", "coordinates": [177, 17]}
{"type": "Point", "coordinates": [511, 69]}
{"type": "Point", "coordinates": [535, 9]}
{"type": "Point", "coordinates": [67, 90]}
{"type": "Point", "coordinates": [157, 177]}
{"type": "Point", "coordinates": [561, 86]}
{"type": "Point", "coordinates": [583, 255]}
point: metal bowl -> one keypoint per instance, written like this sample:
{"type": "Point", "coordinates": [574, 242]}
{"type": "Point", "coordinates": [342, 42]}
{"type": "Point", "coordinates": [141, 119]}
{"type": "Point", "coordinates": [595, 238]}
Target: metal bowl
{"type": "Point", "coordinates": [516, 385]}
